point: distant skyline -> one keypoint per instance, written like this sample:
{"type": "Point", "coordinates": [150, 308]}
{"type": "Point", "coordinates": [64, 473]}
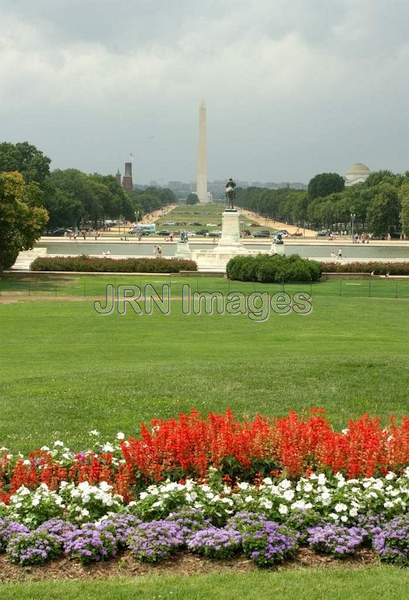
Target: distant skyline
{"type": "Point", "coordinates": [291, 88]}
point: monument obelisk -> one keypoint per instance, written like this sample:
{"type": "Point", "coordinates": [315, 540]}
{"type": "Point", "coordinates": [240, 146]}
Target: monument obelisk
{"type": "Point", "coordinates": [201, 179]}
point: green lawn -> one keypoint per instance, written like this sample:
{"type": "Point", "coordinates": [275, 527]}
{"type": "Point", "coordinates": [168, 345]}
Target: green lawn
{"type": "Point", "coordinates": [379, 583]}
{"type": "Point", "coordinates": [199, 216]}
{"type": "Point", "coordinates": [65, 370]}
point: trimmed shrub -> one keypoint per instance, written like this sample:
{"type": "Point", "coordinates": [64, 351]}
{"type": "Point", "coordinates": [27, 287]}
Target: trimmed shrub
{"type": "Point", "coordinates": [121, 265]}
{"type": "Point", "coordinates": [273, 269]}
{"type": "Point", "coordinates": [377, 268]}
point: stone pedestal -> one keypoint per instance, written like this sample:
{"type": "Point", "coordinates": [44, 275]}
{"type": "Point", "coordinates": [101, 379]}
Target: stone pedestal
{"type": "Point", "coordinates": [183, 250]}
{"type": "Point", "coordinates": [230, 228]}
{"type": "Point", "coordinates": [277, 249]}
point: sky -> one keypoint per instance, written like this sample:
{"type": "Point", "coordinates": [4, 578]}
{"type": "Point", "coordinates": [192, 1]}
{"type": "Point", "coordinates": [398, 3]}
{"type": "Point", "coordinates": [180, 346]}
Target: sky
{"type": "Point", "coordinates": [292, 87]}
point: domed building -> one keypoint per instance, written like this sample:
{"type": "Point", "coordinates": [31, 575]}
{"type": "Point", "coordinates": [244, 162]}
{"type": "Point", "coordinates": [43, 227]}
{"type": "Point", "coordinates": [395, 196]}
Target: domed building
{"type": "Point", "coordinates": [358, 173]}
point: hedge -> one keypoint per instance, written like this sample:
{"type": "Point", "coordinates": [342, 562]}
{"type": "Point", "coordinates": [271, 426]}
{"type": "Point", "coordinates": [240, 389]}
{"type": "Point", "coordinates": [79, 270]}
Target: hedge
{"type": "Point", "coordinates": [120, 265]}
{"type": "Point", "coordinates": [377, 268]}
{"type": "Point", "coordinates": [268, 269]}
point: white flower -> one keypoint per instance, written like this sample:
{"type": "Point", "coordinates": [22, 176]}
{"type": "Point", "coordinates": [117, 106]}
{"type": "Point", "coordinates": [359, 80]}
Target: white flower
{"type": "Point", "coordinates": [104, 486]}
{"type": "Point", "coordinates": [58, 444]}
{"type": "Point", "coordinates": [283, 509]}
{"type": "Point", "coordinates": [35, 501]}
{"type": "Point", "coordinates": [243, 485]}
{"type": "Point", "coordinates": [266, 504]}
{"type": "Point", "coordinates": [107, 447]}
{"type": "Point", "coordinates": [389, 476]}
{"type": "Point", "coordinates": [267, 481]}
{"type": "Point", "coordinates": [45, 448]}
{"type": "Point", "coordinates": [248, 499]}
{"type": "Point", "coordinates": [285, 484]}
{"type": "Point", "coordinates": [322, 480]}
{"type": "Point", "coordinates": [353, 512]}
{"type": "Point", "coordinates": [288, 495]}
{"type": "Point", "coordinates": [94, 432]}
{"type": "Point", "coordinates": [308, 487]}
{"type": "Point", "coordinates": [26, 462]}
{"type": "Point", "coordinates": [84, 512]}
{"type": "Point", "coordinates": [340, 507]}
{"type": "Point", "coordinates": [120, 435]}
{"type": "Point", "coordinates": [344, 518]}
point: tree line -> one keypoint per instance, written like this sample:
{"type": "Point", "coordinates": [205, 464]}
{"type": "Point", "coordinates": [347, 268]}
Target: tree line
{"type": "Point", "coordinates": [33, 199]}
{"type": "Point", "coordinates": [379, 206]}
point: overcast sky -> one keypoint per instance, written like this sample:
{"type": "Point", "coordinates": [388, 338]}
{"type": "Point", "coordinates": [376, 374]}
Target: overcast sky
{"type": "Point", "coordinates": [293, 87]}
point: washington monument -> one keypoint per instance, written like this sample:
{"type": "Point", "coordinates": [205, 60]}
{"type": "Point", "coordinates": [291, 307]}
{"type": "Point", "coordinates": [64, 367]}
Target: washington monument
{"type": "Point", "coordinates": [201, 181]}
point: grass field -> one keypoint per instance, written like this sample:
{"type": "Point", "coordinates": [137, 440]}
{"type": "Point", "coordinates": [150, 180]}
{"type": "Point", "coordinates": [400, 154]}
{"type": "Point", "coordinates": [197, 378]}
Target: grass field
{"type": "Point", "coordinates": [377, 583]}
{"type": "Point", "coordinates": [65, 369]}
{"type": "Point", "coordinates": [203, 216]}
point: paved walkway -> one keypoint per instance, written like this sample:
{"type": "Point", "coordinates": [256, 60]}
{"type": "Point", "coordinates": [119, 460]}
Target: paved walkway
{"type": "Point", "coordinates": [276, 224]}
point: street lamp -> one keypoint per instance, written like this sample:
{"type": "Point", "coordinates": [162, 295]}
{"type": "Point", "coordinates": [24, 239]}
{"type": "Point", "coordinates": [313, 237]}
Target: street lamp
{"type": "Point", "coordinates": [353, 215]}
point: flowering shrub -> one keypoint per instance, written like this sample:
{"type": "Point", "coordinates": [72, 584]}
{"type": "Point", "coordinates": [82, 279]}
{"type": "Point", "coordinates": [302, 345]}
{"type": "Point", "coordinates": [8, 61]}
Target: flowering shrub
{"type": "Point", "coordinates": [243, 520]}
{"type": "Point", "coordinates": [33, 508]}
{"type": "Point", "coordinates": [9, 528]}
{"type": "Point", "coordinates": [86, 502]}
{"type": "Point", "coordinates": [159, 501]}
{"type": "Point", "coordinates": [58, 529]}
{"type": "Point", "coordinates": [33, 548]}
{"type": "Point", "coordinates": [121, 525]}
{"type": "Point", "coordinates": [189, 520]}
{"type": "Point", "coordinates": [269, 543]}
{"type": "Point", "coordinates": [392, 541]}
{"type": "Point", "coordinates": [335, 540]}
{"type": "Point", "coordinates": [155, 541]}
{"type": "Point", "coordinates": [90, 543]}
{"type": "Point", "coordinates": [215, 542]}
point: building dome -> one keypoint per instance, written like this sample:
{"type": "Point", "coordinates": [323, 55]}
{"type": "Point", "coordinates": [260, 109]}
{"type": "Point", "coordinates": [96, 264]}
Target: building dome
{"type": "Point", "coordinates": [356, 174]}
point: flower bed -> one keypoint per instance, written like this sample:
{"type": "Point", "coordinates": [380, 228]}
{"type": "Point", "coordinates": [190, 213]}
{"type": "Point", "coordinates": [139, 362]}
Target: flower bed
{"type": "Point", "coordinates": [262, 488]}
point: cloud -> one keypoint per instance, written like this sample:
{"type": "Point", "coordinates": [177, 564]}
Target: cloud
{"type": "Point", "coordinates": [292, 88]}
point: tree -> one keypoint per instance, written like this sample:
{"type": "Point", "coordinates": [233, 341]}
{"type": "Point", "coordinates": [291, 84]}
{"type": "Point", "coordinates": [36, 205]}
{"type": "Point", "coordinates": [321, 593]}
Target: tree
{"type": "Point", "coordinates": [383, 212]}
{"type": "Point", "coordinates": [325, 184]}
{"type": "Point", "coordinates": [26, 159]}
{"type": "Point", "coordinates": [21, 221]}
{"type": "Point", "coordinates": [192, 199]}
{"type": "Point", "coordinates": [404, 208]}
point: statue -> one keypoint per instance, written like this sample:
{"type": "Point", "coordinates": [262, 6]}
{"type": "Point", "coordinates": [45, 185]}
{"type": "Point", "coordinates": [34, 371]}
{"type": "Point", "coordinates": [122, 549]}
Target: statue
{"type": "Point", "coordinates": [230, 191]}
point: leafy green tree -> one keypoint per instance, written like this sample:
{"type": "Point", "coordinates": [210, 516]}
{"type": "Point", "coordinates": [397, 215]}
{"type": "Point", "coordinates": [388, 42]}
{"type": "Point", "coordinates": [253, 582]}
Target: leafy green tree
{"type": "Point", "coordinates": [404, 208]}
{"type": "Point", "coordinates": [21, 221]}
{"type": "Point", "coordinates": [26, 159]}
{"type": "Point", "coordinates": [192, 199]}
{"type": "Point", "coordinates": [383, 212]}
{"type": "Point", "coordinates": [325, 184]}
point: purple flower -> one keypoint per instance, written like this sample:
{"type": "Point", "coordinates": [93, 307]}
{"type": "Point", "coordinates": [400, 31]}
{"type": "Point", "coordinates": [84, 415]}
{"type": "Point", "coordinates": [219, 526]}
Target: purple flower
{"type": "Point", "coordinates": [336, 540]}
{"type": "Point", "coordinates": [58, 528]}
{"type": "Point", "coordinates": [8, 529]}
{"type": "Point", "coordinates": [244, 520]}
{"type": "Point", "coordinates": [32, 548]}
{"type": "Point", "coordinates": [90, 543]}
{"type": "Point", "coordinates": [269, 543]}
{"type": "Point", "coordinates": [155, 541]}
{"type": "Point", "coordinates": [391, 542]}
{"type": "Point", "coordinates": [189, 519]}
{"type": "Point", "coordinates": [121, 525]}
{"type": "Point", "coordinates": [215, 542]}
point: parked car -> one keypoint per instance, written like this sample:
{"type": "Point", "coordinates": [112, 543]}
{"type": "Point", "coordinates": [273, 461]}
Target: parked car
{"type": "Point", "coordinates": [202, 232]}
{"type": "Point", "coordinates": [261, 233]}
{"type": "Point", "coordinates": [164, 233]}
{"type": "Point", "coordinates": [59, 232]}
